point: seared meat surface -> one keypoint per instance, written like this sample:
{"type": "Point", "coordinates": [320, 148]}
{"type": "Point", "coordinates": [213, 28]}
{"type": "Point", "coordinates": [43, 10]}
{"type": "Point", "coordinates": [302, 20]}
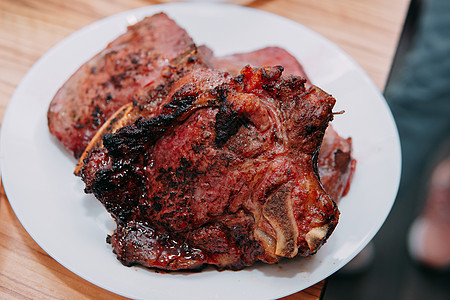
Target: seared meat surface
{"type": "Point", "coordinates": [148, 101]}
{"type": "Point", "coordinates": [139, 58]}
{"type": "Point", "coordinates": [336, 164]}
{"type": "Point", "coordinates": [198, 162]}
{"type": "Point", "coordinates": [223, 172]}
{"type": "Point", "coordinates": [268, 56]}
{"type": "Point", "coordinates": [148, 59]}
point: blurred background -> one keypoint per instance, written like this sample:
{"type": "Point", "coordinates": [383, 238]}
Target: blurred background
{"type": "Point", "coordinates": [418, 92]}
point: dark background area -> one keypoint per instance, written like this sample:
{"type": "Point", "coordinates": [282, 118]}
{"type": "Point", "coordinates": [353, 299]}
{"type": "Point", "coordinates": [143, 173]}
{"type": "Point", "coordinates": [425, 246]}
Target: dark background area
{"type": "Point", "coordinates": [418, 93]}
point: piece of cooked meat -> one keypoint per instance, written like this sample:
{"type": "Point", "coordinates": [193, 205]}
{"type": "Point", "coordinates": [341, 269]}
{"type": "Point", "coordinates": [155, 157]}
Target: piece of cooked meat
{"type": "Point", "coordinates": [224, 174]}
{"type": "Point", "coordinates": [148, 101]}
{"type": "Point", "coordinates": [265, 57]}
{"type": "Point", "coordinates": [146, 58]}
{"type": "Point", "coordinates": [138, 58]}
{"type": "Point", "coordinates": [336, 165]}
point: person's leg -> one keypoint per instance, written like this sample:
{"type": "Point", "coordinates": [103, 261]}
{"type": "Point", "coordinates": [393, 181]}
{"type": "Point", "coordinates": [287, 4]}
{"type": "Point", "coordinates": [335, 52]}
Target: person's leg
{"type": "Point", "coordinates": [429, 236]}
{"type": "Point", "coordinates": [420, 101]}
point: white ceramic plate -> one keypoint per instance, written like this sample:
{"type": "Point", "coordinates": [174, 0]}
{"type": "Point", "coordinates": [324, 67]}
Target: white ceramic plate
{"type": "Point", "coordinates": [71, 226]}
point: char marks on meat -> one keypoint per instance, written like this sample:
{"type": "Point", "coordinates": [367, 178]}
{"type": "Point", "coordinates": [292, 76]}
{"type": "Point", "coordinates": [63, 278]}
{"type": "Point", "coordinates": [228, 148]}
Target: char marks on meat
{"type": "Point", "coordinates": [198, 162]}
{"type": "Point", "coordinates": [139, 58]}
{"type": "Point", "coordinates": [268, 56]}
{"type": "Point", "coordinates": [240, 184]}
{"type": "Point", "coordinates": [336, 166]}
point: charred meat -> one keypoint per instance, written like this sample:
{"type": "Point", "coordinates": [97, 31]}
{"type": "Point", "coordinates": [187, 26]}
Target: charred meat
{"type": "Point", "coordinates": [268, 56]}
{"type": "Point", "coordinates": [240, 184]}
{"type": "Point", "coordinates": [197, 161]}
{"type": "Point", "coordinates": [139, 58]}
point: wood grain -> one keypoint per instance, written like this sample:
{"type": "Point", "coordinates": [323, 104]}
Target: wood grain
{"type": "Point", "coordinates": [368, 30]}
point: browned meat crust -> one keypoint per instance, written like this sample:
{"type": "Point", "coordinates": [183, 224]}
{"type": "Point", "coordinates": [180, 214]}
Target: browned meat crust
{"type": "Point", "coordinates": [268, 56]}
{"type": "Point", "coordinates": [139, 58]}
{"type": "Point", "coordinates": [152, 55]}
{"type": "Point", "coordinates": [240, 183]}
{"type": "Point", "coordinates": [336, 164]}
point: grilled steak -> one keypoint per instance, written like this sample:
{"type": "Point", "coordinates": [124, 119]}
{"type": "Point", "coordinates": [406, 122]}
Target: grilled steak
{"type": "Point", "coordinates": [268, 56]}
{"type": "Point", "coordinates": [146, 58]}
{"type": "Point", "coordinates": [224, 173]}
{"type": "Point", "coordinates": [148, 101]}
{"type": "Point", "coordinates": [196, 166]}
{"type": "Point", "coordinates": [140, 57]}
{"type": "Point", "coordinates": [336, 164]}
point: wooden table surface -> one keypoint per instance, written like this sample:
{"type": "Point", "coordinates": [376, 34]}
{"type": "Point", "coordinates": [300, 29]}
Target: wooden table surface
{"type": "Point", "coordinates": [368, 30]}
